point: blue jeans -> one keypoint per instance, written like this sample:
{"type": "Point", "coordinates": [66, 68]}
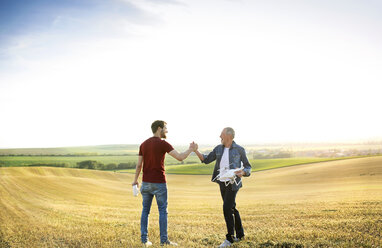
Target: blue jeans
{"type": "Point", "coordinates": [148, 191]}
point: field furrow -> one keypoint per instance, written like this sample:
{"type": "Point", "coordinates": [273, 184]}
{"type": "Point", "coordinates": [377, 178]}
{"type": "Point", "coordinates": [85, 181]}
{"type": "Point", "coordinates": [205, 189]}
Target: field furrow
{"type": "Point", "coordinates": [331, 204]}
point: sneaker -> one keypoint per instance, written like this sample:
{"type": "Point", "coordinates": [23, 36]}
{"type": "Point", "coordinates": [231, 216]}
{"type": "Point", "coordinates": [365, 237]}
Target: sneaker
{"type": "Point", "coordinates": [147, 244]}
{"type": "Point", "coordinates": [226, 243]}
{"type": "Point", "coordinates": [168, 242]}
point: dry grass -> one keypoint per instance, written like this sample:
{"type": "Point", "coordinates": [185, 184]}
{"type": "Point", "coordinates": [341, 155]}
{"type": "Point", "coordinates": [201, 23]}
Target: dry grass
{"type": "Point", "coordinates": [333, 204]}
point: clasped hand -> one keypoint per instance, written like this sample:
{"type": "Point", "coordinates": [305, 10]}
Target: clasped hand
{"type": "Point", "coordinates": [193, 146]}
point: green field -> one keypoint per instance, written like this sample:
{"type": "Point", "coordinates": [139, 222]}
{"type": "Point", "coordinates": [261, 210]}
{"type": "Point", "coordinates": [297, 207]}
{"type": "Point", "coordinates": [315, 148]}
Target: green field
{"type": "Point", "coordinates": [331, 204]}
{"type": "Point", "coordinates": [94, 150]}
{"type": "Point", "coordinates": [98, 150]}
{"type": "Point", "coordinates": [257, 165]}
{"type": "Point", "coordinates": [191, 166]}
{"type": "Point", "coordinates": [17, 161]}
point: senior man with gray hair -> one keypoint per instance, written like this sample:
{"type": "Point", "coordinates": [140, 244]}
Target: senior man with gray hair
{"type": "Point", "coordinates": [228, 155]}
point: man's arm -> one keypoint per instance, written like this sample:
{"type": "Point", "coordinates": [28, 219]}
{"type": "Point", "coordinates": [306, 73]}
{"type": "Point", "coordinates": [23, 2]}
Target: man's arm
{"type": "Point", "coordinates": [138, 170]}
{"type": "Point", "coordinates": [200, 156]}
{"type": "Point", "coordinates": [182, 156]}
{"type": "Point", "coordinates": [206, 158]}
{"type": "Point", "coordinates": [247, 166]}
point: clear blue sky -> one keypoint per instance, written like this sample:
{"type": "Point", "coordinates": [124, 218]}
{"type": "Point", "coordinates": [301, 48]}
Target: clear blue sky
{"type": "Point", "coordinates": [87, 72]}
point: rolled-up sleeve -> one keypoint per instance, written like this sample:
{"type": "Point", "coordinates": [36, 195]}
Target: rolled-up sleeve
{"type": "Point", "coordinates": [247, 166]}
{"type": "Point", "coordinates": [210, 157]}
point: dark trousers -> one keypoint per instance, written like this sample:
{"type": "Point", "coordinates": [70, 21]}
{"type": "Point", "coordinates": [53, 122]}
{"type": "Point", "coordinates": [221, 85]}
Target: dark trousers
{"type": "Point", "coordinates": [231, 215]}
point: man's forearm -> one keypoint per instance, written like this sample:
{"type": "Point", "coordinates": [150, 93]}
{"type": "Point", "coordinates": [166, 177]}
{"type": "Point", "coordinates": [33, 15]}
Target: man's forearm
{"type": "Point", "coordinates": [138, 169]}
{"type": "Point", "coordinates": [137, 172]}
{"type": "Point", "coordinates": [185, 154]}
{"type": "Point", "coordinates": [200, 156]}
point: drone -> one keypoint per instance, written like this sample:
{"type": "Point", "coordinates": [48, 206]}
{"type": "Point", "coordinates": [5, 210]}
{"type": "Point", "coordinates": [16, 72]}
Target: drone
{"type": "Point", "coordinates": [230, 176]}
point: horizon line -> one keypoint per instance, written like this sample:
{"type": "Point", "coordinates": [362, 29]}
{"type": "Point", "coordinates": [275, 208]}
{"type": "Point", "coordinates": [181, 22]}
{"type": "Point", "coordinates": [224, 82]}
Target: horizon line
{"type": "Point", "coordinates": [359, 142]}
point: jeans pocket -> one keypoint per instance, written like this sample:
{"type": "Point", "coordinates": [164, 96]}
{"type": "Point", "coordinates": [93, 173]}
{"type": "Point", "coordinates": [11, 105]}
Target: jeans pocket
{"type": "Point", "coordinates": [144, 188]}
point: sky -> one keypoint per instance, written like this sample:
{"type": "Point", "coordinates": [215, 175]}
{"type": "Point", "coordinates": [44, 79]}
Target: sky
{"type": "Point", "coordinates": [92, 72]}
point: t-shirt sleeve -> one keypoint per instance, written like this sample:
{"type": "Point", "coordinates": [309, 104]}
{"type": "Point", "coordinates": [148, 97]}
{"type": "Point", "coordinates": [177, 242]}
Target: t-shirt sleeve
{"type": "Point", "coordinates": [167, 147]}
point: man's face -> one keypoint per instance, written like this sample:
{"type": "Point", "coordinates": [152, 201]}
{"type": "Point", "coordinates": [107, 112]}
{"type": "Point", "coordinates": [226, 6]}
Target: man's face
{"type": "Point", "coordinates": [225, 138]}
{"type": "Point", "coordinates": [163, 132]}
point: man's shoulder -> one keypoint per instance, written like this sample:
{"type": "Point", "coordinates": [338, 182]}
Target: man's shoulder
{"type": "Point", "coordinates": [218, 147]}
{"type": "Point", "coordinates": [147, 140]}
{"type": "Point", "coordinates": [155, 140]}
{"type": "Point", "coordinates": [150, 141]}
{"type": "Point", "coordinates": [237, 146]}
{"type": "Point", "coordinates": [156, 143]}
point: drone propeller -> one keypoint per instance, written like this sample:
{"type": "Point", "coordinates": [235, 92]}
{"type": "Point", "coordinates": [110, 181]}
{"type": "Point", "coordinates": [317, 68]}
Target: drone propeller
{"type": "Point", "coordinates": [229, 176]}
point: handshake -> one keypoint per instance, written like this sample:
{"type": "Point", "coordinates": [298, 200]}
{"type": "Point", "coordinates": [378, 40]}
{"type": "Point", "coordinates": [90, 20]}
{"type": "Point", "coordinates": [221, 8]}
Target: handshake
{"type": "Point", "coordinates": [193, 146]}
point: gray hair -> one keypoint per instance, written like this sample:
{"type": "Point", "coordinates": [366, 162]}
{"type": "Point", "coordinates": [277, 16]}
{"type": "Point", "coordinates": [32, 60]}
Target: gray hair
{"type": "Point", "coordinates": [229, 130]}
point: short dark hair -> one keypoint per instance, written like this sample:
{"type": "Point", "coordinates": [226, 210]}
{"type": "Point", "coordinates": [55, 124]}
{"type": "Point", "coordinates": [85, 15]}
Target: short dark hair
{"type": "Point", "coordinates": [156, 124]}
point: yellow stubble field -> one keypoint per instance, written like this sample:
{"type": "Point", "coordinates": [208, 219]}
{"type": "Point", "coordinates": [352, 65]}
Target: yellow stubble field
{"type": "Point", "coordinates": [330, 204]}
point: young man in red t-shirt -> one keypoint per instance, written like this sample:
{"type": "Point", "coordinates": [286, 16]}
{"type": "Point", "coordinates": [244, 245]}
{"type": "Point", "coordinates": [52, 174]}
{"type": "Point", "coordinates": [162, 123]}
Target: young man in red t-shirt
{"type": "Point", "coordinates": [151, 156]}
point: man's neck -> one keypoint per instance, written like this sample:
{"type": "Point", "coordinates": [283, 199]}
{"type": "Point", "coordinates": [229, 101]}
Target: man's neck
{"type": "Point", "coordinates": [229, 144]}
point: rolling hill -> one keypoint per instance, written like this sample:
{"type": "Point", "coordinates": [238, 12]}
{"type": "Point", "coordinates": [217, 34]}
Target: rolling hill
{"type": "Point", "coordinates": [331, 204]}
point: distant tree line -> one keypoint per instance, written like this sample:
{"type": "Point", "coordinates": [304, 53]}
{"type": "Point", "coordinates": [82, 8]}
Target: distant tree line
{"type": "Point", "coordinates": [88, 164]}
{"type": "Point", "coordinates": [280, 154]}
{"type": "Point", "coordinates": [89, 154]}
{"type": "Point", "coordinates": [50, 164]}
{"type": "Point", "coordinates": [95, 165]}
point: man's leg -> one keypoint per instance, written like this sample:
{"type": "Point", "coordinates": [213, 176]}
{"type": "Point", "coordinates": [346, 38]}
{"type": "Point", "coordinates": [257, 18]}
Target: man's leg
{"type": "Point", "coordinates": [228, 204]}
{"type": "Point", "coordinates": [161, 197]}
{"type": "Point", "coordinates": [238, 226]}
{"type": "Point", "coordinates": [147, 199]}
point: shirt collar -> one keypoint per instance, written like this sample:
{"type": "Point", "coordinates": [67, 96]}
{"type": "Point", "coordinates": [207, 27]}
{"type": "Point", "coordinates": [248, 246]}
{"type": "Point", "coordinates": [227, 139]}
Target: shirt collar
{"type": "Point", "coordinates": [232, 146]}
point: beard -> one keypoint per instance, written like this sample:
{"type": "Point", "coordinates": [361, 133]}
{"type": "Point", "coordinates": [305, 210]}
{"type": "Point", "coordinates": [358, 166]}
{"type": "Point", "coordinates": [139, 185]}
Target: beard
{"type": "Point", "coordinates": [163, 135]}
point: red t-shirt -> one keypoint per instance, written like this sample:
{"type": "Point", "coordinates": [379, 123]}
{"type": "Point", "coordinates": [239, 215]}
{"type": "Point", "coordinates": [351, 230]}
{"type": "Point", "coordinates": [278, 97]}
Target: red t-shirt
{"type": "Point", "coordinates": [153, 151]}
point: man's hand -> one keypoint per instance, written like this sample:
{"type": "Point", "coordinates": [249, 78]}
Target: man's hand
{"type": "Point", "coordinates": [193, 146]}
{"type": "Point", "coordinates": [240, 173]}
{"type": "Point", "coordinates": [135, 183]}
